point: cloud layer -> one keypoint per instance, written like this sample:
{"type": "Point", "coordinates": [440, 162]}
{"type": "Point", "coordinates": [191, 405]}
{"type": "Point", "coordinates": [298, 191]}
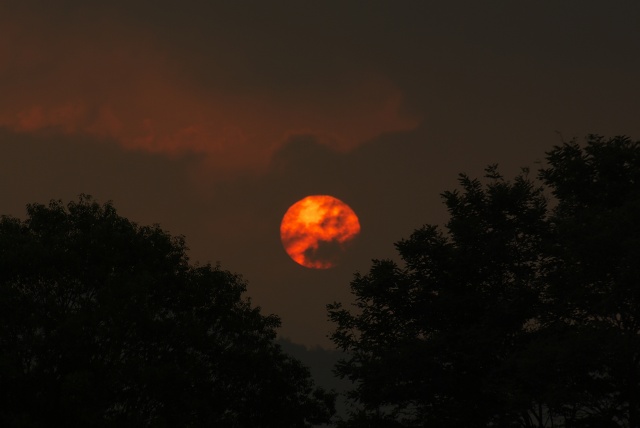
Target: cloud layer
{"type": "Point", "coordinates": [107, 73]}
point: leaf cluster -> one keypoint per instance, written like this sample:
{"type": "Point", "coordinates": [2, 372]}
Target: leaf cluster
{"type": "Point", "coordinates": [514, 314]}
{"type": "Point", "coordinates": [105, 322]}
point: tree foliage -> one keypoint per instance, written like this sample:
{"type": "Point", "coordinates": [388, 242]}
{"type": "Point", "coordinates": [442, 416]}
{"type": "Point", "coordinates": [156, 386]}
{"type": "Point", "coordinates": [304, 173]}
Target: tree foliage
{"type": "Point", "coordinates": [514, 314]}
{"type": "Point", "coordinates": [105, 322]}
{"type": "Point", "coordinates": [594, 274]}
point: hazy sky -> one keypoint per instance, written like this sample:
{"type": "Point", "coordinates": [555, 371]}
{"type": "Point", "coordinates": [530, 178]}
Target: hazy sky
{"type": "Point", "coordinates": [211, 118]}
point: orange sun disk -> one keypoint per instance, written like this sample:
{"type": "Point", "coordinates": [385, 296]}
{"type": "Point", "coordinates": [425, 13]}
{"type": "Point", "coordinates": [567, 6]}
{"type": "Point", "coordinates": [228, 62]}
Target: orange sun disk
{"type": "Point", "coordinates": [316, 230]}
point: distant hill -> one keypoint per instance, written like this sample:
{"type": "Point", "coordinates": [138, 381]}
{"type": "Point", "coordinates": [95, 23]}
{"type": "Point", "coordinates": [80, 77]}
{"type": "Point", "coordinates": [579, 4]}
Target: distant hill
{"type": "Point", "coordinates": [321, 363]}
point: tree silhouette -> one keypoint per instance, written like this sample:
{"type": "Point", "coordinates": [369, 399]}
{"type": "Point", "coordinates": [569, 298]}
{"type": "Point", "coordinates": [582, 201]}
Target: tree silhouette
{"type": "Point", "coordinates": [105, 322]}
{"type": "Point", "coordinates": [594, 273]}
{"type": "Point", "coordinates": [516, 315]}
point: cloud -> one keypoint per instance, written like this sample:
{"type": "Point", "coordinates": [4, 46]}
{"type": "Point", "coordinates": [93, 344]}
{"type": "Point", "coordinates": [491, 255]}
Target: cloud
{"type": "Point", "coordinates": [94, 73]}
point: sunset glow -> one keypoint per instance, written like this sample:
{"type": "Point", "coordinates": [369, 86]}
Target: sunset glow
{"type": "Point", "coordinates": [317, 229]}
{"type": "Point", "coordinates": [123, 89]}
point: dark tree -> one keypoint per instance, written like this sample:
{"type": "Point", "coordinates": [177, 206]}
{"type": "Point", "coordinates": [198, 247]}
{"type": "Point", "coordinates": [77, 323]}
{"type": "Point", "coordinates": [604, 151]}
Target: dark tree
{"type": "Point", "coordinates": [104, 323]}
{"type": "Point", "coordinates": [430, 341]}
{"type": "Point", "coordinates": [513, 315]}
{"type": "Point", "coordinates": [594, 275]}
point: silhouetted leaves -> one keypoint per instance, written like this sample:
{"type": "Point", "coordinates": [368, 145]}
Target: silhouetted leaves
{"type": "Point", "coordinates": [105, 322]}
{"type": "Point", "coordinates": [513, 315]}
{"type": "Point", "coordinates": [594, 281]}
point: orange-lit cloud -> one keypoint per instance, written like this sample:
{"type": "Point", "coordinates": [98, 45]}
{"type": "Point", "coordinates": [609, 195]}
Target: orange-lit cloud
{"type": "Point", "coordinates": [316, 229]}
{"type": "Point", "coordinates": [109, 80]}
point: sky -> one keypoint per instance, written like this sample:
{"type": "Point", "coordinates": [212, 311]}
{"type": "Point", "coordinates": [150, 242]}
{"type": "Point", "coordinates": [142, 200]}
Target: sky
{"type": "Point", "coordinates": [211, 118]}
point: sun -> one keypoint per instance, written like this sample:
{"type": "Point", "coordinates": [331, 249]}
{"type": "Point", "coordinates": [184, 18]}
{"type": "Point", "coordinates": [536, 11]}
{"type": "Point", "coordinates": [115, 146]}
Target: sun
{"type": "Point", "coordinates": [316, 230]}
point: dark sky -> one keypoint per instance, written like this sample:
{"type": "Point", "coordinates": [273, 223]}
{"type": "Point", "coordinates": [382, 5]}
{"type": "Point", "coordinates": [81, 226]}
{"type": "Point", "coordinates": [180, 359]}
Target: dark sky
{"type": "Point", "coordinates": [211, 118]}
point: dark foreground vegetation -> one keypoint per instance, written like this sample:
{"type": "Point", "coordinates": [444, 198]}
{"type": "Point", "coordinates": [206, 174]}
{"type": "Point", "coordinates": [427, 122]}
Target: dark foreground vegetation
{"type": "Point", "coordinates": [105, 323]}
{"type": "Point", "coordinates": [522, 311]}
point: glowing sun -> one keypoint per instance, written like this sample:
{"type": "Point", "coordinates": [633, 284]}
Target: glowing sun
{"type": "Point", "coordinates": [316, 230]}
